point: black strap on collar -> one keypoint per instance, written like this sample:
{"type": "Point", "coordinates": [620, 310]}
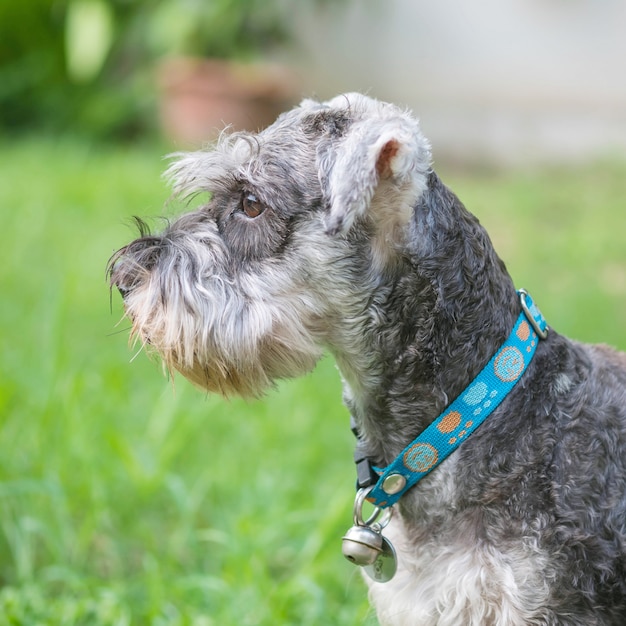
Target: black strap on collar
{"type": "Point", "coordinates": [365, 474]}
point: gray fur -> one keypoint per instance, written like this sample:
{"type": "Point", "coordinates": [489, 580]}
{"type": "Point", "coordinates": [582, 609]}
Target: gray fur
{"type": "Point", "coordinates": [362, 251]}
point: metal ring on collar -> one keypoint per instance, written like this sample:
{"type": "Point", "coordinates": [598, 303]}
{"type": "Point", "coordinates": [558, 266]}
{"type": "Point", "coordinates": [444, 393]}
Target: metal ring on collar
{"type": "Point", "coordinates": [358, 511]}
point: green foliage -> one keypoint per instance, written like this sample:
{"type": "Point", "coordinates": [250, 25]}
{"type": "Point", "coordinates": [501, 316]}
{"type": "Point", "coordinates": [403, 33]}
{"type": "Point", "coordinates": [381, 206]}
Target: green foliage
{"type": "Point", "coordinates": [31, 60]}
{"type": "Point", "coordinates": [42, 44]}
{"type": "Point", "coordinates": [129, 499]}
{"type": "Point", "coordinates": [87, 66]}
{"type": "Point", "coordinates": [219, 28]}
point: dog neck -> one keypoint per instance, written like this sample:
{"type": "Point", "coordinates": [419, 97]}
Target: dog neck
{"type": "Point", "coordinates": [454, 304]}
{"type": "Point", "coordinates": [463, 416]}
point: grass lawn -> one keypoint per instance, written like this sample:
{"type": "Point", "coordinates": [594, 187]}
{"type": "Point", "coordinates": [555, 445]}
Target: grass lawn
{"type": "Point", "coordinates": [125, 499]}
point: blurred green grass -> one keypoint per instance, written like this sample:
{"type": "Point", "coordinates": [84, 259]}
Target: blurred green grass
{"type": "Point", "coordinates": [127, 499]}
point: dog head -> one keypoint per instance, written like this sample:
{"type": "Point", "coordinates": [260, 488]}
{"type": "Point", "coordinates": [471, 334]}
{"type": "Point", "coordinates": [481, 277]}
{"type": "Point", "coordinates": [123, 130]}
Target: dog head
{"type": "Point", "coordinates": [283, 256]}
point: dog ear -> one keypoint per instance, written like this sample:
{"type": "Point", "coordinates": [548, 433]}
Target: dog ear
{"type": "Point", "coordinates": [390, 151]}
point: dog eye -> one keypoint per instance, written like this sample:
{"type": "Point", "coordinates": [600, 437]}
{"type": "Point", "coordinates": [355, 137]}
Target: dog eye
{"type": "Point", "coordinates": [251, 206]}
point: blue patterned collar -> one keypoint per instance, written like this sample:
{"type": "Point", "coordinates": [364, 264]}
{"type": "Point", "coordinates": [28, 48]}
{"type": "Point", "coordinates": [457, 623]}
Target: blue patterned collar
{"type": "Point", "coordinates": [470, 409]}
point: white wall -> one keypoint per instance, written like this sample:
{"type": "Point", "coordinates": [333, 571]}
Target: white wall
{"type": "Point", "coordinates": [499, 80]}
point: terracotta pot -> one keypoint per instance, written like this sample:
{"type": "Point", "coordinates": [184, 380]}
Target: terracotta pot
{"type": "Point", "coordinates": [200, 97]}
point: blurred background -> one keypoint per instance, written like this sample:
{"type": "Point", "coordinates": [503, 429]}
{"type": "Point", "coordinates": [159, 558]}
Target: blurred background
{"type": "Point", "coordinates": [127, 498]}
{"type": "Point", "coordinates": [528, 79]}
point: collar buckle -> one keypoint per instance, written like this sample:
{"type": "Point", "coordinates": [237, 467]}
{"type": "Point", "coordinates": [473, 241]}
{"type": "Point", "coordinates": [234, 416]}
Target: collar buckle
{"type": "Point", "coordinates": [533, 314]}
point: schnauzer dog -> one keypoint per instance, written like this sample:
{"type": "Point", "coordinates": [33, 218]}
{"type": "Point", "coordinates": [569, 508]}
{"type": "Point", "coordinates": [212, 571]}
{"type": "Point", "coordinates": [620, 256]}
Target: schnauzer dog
{"type": "Point", "coordinates": [329, 230]}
